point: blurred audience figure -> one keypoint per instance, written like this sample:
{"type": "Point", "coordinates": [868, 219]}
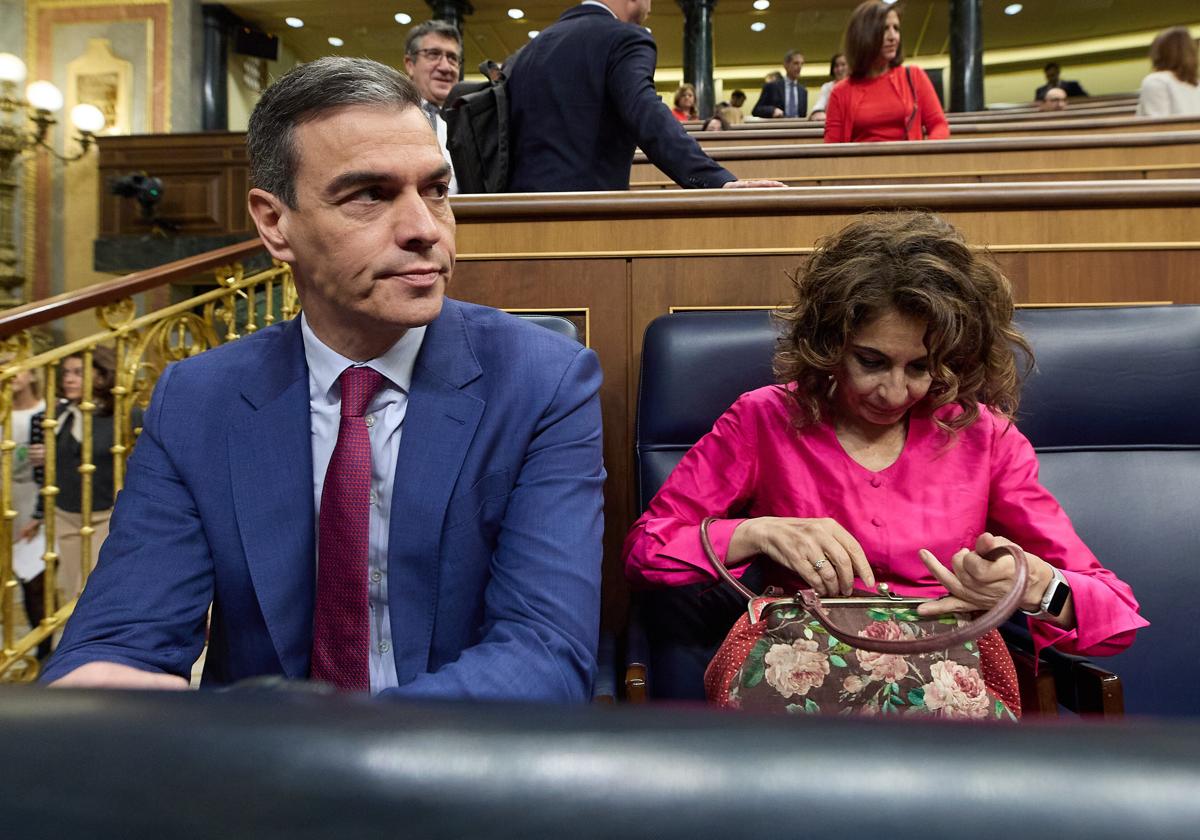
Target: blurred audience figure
{"type": "Point", "coordinates": [737, 99]}
{"type": "Point", "coordinates": [731, 114]}
{"type": "Point", "coordinates": [881, 99]}
{"type": "Point", "coordinates": [685, 103]}
{"type": "Point", "coordinates": [1055, 100]}
{"type": "Point", "coordinates": [491, 69]}
{"type": "Point", "coordinates": [716, 123]}
{"type": "Point", "coordinates": [1172, 88]}
{"type": "Point", "coordinates": [784, 97]}
{"type": "Point", "coordinates": [839, 68]}
{"type": "Point", "coordinates": [1053, 71]}
{"type": "Point", "coordinates": [28, 567]}
{"type": "Point", "coordinates": [68, 443]}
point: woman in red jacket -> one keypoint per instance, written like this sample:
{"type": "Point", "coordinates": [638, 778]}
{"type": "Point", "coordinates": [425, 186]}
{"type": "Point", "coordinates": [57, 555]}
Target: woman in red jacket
{"type": "Point", "coordinates": [882, 99]}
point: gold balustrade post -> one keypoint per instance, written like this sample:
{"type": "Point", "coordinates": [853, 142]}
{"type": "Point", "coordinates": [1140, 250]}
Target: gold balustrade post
{"type": "Point", "coordinates": [8, 605]}
{"type": "Point", "coordinates": [50, 491]}
{"type": "Point", "coordinates": [87, 408]}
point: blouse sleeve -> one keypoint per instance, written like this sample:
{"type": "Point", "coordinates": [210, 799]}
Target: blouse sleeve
{"type": "Point", "coordinates": [1153, 98]}
{"type": "Point", "coordinates": [932, 117]}
{"type": "Point", "coordinates": [1024, 511]}
{"type": "Point", "coordinates": [837, 125]}
{"type": "Point", "coordinates": [714, 478]}
{"type": "Point", "coordinates": [822, 98]}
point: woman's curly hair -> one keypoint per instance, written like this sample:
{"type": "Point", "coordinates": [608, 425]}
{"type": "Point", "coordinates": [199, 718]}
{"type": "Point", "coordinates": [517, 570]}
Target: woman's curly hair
{"type": "Point", "coordinates": [917, 264]}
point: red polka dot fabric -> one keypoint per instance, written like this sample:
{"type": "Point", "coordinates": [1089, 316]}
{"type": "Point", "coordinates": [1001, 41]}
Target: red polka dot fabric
{"type": "Point", "coordinates": [341, 620]}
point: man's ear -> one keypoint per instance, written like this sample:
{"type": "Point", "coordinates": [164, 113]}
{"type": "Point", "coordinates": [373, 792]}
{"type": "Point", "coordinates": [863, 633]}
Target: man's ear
{"type": "Point", "coordinates": [269, 214]}
{"type": "Point", "coordinates": [409, 64]}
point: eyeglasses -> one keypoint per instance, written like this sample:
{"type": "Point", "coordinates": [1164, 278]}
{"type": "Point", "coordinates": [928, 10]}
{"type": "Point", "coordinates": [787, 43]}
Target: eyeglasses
{"type": "Point", "coordinates": [436, 56]}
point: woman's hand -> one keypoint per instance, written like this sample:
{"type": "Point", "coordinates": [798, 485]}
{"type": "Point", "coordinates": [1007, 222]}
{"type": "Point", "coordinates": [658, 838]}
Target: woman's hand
{"type": "Point", "coordinates": [30, 530]}
{"type": "Point", "coordinates": [37, 454]}
{"type": "Point", "coordinates": [978, 583]}
{"type": "Point", "coordinates": [820, 551]}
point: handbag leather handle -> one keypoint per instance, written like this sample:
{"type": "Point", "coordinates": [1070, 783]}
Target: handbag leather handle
{"type": "Point", "coordinates": [990, 620]}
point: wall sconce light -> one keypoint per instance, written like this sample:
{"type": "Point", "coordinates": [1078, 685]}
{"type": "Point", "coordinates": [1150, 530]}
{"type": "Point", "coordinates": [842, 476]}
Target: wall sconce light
{"type": "Point", "coordinates": [41, 101]}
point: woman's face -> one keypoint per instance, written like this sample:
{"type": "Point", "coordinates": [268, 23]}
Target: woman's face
{"type": "Point", "coordinates": [884, 371]}
{"type": "Point", "coordinates": [713, 124]}
{"type": "Point", "coordinates": [70, 374]}
{"type": "Point", "coordinates": [841, 67]}
{"type": "Point", "coordinates": [686, 100]}
{"type": "Point", "coordinates": [891, 39]}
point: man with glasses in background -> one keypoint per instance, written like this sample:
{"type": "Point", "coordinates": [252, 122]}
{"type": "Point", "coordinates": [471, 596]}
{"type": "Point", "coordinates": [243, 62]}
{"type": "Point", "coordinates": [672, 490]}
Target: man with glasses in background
{"type": "Point", "coordinates": [432, 55]}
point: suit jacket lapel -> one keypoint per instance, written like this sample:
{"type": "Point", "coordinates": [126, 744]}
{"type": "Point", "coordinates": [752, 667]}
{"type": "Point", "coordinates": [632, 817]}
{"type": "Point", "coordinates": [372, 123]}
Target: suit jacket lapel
{"type": "Point", "coordinates": [270, 455]}
{"type": "Point", "coordinates": [439, 425]}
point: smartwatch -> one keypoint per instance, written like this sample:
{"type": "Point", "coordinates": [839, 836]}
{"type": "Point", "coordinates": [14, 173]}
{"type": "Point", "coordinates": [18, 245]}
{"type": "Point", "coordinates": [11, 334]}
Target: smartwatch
{"type": "Point", "coordinates": [1055, 597]}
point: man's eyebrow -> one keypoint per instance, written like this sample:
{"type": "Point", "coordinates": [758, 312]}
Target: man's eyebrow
{"type": "Point", "coordinates": [354, 179]}
{"type": "Point", "coordinates": [441, 172]}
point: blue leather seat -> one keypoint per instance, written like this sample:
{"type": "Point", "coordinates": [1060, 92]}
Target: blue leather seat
{"type": "Point", "coordinates": [1111, 410]}
{"type": "Point", "coordinates": [1107, 409]}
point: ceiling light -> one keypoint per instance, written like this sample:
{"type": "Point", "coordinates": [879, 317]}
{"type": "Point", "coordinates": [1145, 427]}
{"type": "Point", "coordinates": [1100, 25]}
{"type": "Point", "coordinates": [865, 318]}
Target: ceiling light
{"type": "Point", "coordinates": [762, 5]}
{"type": "Point", "coordinates": [758, 26]}
{"type": "Point", "coordinates": [533, 33]}
{"type": "Point", "coordinates": [295, 23]}
{"type": "Point", "coordinates": [516, 14]}
{"type": "Point", "coordinates": [1013, 8]}
{"type": "Point", "coordinates": [403, 18]}
{"type": "Point", "coordinates": [335, 41]}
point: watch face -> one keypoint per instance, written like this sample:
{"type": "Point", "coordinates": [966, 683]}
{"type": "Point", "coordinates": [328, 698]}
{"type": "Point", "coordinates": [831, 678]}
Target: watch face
{"type": "Point", "coordinates": [1058, 599]}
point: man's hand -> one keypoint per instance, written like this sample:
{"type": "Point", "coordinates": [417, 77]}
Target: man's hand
{"type": "Point", "coordinates": [754, 182]}
{"type": "Point", "coordinates": [115, 675]}
{"type": "Point", "coordinates": [778, 112]}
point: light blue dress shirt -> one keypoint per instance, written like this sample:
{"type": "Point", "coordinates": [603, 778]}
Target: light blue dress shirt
{"type": "Point", "coordinates": [385, 419]}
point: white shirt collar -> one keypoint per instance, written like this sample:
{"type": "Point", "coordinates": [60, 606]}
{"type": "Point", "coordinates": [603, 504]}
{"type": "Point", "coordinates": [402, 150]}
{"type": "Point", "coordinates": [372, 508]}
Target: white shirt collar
{"type": "Point", "coordinates": [601, 5]}
{"type": "Point", "coordinates": [326, 365]}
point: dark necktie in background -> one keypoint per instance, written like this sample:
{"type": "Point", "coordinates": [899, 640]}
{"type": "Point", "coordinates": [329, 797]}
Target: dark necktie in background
{"type": "Point", "coordinates": [431, 114]}
{"type": "Point", "coordinates": [790, 109]}
{"type": "Point", "coordinates": [341, 620]}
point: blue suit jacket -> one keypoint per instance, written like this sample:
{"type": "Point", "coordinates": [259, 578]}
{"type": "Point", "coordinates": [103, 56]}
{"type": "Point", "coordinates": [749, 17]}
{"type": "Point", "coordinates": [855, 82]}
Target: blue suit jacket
{"type": "Point", "coordinates": [774, 95]}
{"type": "Point", "coordinates": [494, 547]}
{"type": "Point", "coordinates": [581, 97]}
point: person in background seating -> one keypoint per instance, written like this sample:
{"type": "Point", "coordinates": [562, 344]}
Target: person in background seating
{"type": "Point", "coordinates": [716, 123]}
{"type": "Point", "coordinates": [1172, 88]}
{"type": "Point", "coordinates": [784, 97]}
{"type": "Point", "coordinates": [433, 52]}
{"type": "Point", "coordinates": [68, 443]}
{"type": "Point", "coordinates": [1055, 100]}
{"type": "Point", "coordinates": [27, 406]}
{"type": "Point", "coordinates": [882, 99]}
{"type": "Point", "coordinates": [1053, 73]}
{"type": "Point", "coordinates": [839, 68]}
{"type": "Point", "coordinates": [888, 453]}
{"type": "Point", "coordinates": [737, 99]}
{"type": "Point", "coordinates": [685, 103]}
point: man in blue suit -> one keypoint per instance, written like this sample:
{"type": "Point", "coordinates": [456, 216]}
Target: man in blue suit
{"type": "Point", "coordinates": [786, 96]}
{"type": "Point", "coordinates": [582, 98]}
{"type": "Point", "coordinates": [479, 569]}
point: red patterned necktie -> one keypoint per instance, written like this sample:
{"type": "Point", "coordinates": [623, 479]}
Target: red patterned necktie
{"type": "Point", "coordinates": [341, 621]}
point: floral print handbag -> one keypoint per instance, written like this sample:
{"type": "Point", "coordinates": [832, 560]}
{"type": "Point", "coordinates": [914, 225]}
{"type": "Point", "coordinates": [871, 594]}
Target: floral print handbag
{"type": "Point", "coordinates": [868, 654]}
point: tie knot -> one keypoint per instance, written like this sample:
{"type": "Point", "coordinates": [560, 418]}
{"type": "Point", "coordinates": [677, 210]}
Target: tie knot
{"type": "Point", "coordinates": [359, 385]}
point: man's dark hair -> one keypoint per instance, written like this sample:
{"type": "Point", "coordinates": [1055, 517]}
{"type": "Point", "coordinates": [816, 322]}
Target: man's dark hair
{"type": "Point", "coordinates": [305, 92]}
{"type": "Point", "coordinates": [1050, 64]}
{"type": "Point", "coordinates": [864, 38]}
{"type": "Point", "coordinates": [790, 54]}
{"type": "Point", "coordinates": [431, 27]}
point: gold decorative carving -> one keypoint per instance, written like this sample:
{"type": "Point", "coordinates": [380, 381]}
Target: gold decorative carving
{"type": "Point", "coordinates": [100, 78]}
{"type": "Point", "coordinates": [116, 315]}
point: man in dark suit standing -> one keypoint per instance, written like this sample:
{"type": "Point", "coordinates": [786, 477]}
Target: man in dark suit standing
{"type": "Point", "coordinates": [1053, 71]}
{"type": "Point", "coordinates": [582, 99]}
{"type": "Point", "coordinates": [785, 97]}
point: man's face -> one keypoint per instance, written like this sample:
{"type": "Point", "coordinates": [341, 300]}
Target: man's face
{"type": "Point", "coordinates": [434, 76]}
{"type": "Point", "coordinates": [371, 239]}
{"type": "Point", "coordinates": [1052, 73]}
{"type": "Point", "coordinates": [639, 10]}
{"type": "Point", "coordinates": [1056, 100]}
{"type": "Point", "coordinates": [793, 66]}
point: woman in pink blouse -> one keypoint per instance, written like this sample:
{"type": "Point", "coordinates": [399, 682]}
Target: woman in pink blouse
{"type": "Point", "coordinates": [889, 452]}
{"type": "Point", "coordinates": [882, 99]}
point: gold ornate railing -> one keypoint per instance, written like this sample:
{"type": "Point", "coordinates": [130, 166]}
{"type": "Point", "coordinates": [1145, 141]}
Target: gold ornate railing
{"type": "Point", "coordinates": [240, 303]}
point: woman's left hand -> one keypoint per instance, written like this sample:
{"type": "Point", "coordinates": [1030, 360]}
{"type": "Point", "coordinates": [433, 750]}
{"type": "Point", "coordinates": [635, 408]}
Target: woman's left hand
{"type": "Point", "coordinates": [978, 583]}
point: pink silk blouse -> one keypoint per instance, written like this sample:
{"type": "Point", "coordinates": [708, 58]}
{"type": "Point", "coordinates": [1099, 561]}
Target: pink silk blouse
{"type": "Point", "coordinates": [940, 494]}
